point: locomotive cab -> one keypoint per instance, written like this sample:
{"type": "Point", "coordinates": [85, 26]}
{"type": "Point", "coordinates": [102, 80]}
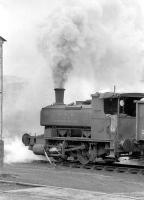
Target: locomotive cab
{"type": "Point", "coordinates": [125, 108]}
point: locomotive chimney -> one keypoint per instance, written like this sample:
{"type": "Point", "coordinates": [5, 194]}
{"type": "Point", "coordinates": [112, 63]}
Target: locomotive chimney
{"type": "Point", "coordinates": [59, 95]}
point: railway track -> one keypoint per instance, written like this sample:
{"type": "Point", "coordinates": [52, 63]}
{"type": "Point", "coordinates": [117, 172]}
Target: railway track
{"type": "Point", "coordinates": [112, 167]}
{"type": "Point", "coordinates": [99, 166]}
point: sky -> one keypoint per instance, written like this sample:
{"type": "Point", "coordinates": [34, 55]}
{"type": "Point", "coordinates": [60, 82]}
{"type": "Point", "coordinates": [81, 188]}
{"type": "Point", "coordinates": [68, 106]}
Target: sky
{"type": "Point", "coordinates": [19, 23]}
{"type": "Point", "coordinates": [96, 43]}
{"type": "Point", "coordinates": [22, 21]}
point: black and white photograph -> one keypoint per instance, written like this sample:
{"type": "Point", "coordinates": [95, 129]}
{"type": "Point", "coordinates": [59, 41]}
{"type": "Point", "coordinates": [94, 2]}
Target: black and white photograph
{"type": "Point", "coordinates": [71, 99]}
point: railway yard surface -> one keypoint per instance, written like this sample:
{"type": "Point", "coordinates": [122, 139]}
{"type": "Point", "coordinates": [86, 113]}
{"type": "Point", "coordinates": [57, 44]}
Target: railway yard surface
{"type": "Point", "coordinates": [39, 180]}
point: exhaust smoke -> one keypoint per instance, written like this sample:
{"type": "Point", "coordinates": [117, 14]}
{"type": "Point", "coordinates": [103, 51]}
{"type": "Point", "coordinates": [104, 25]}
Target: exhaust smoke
{"type": "Point", "coordinates": [61, 42]}
{"type": "Point", "coordinates": [99, 41]}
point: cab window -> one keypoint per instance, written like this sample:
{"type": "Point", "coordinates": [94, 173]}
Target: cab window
{"type": "Point", "coordinates": [128, 106]}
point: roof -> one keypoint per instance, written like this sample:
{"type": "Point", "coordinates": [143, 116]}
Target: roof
{"type": "Point", "coordinates": [116, 95]}
{"type": "Point", "coordinates": [1, 38]}
{"type": "Point", "coordinates": [132, 95]}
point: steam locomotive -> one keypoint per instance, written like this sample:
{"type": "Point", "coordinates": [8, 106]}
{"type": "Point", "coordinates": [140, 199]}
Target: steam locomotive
{"type": "Point", "coordinates": [107, 126]}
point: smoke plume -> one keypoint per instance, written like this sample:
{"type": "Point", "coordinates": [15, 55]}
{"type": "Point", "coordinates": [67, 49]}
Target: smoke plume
{"type": "Point", "coordinates": [97, 40]}
{"type": "Point", "coordinates": [60, 43]}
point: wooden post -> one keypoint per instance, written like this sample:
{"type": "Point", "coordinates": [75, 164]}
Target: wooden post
{"type": "Point", "coordinates": [2, 40]}
{"type": "Point", "coordinates": [1, 153]}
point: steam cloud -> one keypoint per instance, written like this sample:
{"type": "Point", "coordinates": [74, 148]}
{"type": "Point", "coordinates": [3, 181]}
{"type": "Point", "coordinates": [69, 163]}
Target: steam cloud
{"type": "Point", "coordinates": [97, 40]}
{"type": "Point", "coordinates": [15, 151]}
{"type": "Point", "coordinates": [18, 119]}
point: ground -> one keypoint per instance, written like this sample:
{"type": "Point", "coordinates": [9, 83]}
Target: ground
{"type": "Point", "coordinates": [38, 180]}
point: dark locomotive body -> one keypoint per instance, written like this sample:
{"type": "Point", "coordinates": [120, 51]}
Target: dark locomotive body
{"type": "Point", "coordinates": [106, 127]}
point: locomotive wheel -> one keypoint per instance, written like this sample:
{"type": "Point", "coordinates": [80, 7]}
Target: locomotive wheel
{"type": "Point", "coordinates": [82, 157]}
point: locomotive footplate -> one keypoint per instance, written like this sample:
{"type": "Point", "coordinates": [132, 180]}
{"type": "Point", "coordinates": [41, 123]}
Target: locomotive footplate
{"type": "Point", "coordinates": [77, 139]}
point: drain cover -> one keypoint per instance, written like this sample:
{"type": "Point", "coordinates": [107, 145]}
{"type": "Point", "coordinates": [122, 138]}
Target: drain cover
{"type": "Point", "coordinates": [8, 175]}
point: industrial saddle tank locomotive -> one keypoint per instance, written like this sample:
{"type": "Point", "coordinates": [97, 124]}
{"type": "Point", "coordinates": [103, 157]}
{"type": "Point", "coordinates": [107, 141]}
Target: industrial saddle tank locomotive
{"type": "Point", "coordinates": [107, 126]}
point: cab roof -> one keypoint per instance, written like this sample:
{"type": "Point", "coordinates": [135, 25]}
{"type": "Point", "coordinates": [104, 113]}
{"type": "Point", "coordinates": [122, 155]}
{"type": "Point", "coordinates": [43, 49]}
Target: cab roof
{"type": "Point", "coordinates": [118, 95]}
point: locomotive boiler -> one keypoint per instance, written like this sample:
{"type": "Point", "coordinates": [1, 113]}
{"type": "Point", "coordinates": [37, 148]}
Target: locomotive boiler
{"type": "Point", "coordinates": [107, 126]}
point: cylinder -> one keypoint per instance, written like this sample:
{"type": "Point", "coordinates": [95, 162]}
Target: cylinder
{"type": "Point", "coordinates": [38, 149]}
{"type": "Point", "coordinates": [59, 95]}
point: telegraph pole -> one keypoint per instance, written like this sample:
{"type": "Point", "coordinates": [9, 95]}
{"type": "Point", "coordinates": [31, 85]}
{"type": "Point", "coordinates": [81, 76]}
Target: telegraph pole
{"type": "Point", "coordinates": [2, 40]}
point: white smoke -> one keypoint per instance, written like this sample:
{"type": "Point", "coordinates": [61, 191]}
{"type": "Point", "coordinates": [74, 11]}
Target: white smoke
{"type": "Point", "coordinates": [102, 41]}
{"type": "Point", "coordinates": [21, 114]}
{"type": "Point", "coordinates": [15, 151]}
